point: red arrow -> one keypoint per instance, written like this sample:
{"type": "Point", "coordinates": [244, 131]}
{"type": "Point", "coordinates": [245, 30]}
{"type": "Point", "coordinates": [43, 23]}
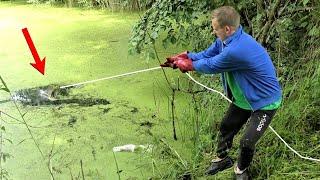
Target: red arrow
{"type": "Point", "coordinates": [39, 65]}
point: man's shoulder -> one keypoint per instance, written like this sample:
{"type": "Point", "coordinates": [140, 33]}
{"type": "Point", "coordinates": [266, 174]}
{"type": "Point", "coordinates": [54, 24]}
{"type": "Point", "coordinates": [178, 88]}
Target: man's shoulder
{"type": "Point", "coordinates": [245, 48]}
{"type": "Point", "coordinates": [245, 37]}
{"type": "Point", "coordinates": [245, 42]}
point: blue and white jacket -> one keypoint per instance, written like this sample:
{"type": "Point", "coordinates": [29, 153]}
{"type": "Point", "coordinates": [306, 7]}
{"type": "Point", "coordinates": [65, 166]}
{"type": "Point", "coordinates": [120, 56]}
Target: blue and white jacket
{"type": "Point", "coordinates": [249, 63]}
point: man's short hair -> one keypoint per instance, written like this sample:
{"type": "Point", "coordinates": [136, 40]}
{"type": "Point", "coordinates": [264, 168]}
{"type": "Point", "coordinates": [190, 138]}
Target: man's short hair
{"type": "Point", "coordinates": [226, 16]}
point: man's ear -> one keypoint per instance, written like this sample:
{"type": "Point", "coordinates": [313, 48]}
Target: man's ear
{"type": "Point", "coordinates": [228, 29]}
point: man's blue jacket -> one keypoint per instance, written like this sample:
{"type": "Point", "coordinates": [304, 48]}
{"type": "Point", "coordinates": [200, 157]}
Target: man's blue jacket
{"type": "Point", "coordinates": [249, 63]}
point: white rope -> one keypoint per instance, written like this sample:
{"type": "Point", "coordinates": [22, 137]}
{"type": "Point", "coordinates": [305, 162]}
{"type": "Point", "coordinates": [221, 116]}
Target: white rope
{"type": "Point", "coordinates": [303, 157]}
{"type": "Point", "coordinates": [155, 68]}
{"type": "Point", "coordinates": [111, 77]}
{"type": "Point", "coordinates": [225, 97]}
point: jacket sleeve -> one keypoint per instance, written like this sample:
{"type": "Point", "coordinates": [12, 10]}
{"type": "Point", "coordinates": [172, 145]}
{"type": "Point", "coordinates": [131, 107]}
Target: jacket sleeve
{"type": "Point", "coordinates": [212, 51]}
{"type": "Point", "coordinates": [223, 62]}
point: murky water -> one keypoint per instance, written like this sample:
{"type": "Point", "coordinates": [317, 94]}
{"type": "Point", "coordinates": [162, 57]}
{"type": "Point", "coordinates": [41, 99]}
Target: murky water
{"type": "Point", "coordinates": [78, 123]}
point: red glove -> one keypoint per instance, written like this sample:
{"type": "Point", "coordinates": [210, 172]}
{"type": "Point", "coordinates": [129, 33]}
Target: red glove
{"type": "Point", "coordinates": [170, 60]}
{"type": "Point", "coordinates": [169, 63]}
{"type": "Point", "coordinates": [184, 65]}
{"type": "Point", "coordinates": [183, 55]}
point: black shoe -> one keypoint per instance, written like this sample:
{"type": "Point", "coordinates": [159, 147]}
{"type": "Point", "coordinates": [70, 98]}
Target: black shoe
{"type": "Point", "coordinates": [219, 166]}
{"type": "Point", "coordinates": [244, 176]}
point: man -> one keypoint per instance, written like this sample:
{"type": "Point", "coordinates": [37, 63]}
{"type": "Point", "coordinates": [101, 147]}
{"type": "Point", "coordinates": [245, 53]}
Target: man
{"type": "Point", "coordinates": [249, 80]}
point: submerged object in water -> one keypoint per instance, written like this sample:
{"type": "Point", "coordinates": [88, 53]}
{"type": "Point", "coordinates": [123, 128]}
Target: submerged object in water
{"type": "Point", "coordinates": [131, 148]}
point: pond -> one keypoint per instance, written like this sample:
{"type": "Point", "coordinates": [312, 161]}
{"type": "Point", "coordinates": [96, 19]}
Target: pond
{"type": "Point", "coordinates": [78, 127]}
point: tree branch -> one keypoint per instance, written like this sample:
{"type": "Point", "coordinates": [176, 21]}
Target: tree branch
{"type": "Point", "coordinates": [266, 27]}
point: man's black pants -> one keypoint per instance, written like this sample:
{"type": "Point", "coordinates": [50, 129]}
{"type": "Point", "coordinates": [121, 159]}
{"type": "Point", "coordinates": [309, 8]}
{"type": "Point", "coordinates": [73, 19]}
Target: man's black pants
{"type": "Point", "coordinates": [232, 122]}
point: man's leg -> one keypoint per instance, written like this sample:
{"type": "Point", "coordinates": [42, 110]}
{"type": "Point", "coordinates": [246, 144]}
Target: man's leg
{"type": "Point", "coordinates": [230, 125]}
{"type": "Point", "coordinates": [257, 125]}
